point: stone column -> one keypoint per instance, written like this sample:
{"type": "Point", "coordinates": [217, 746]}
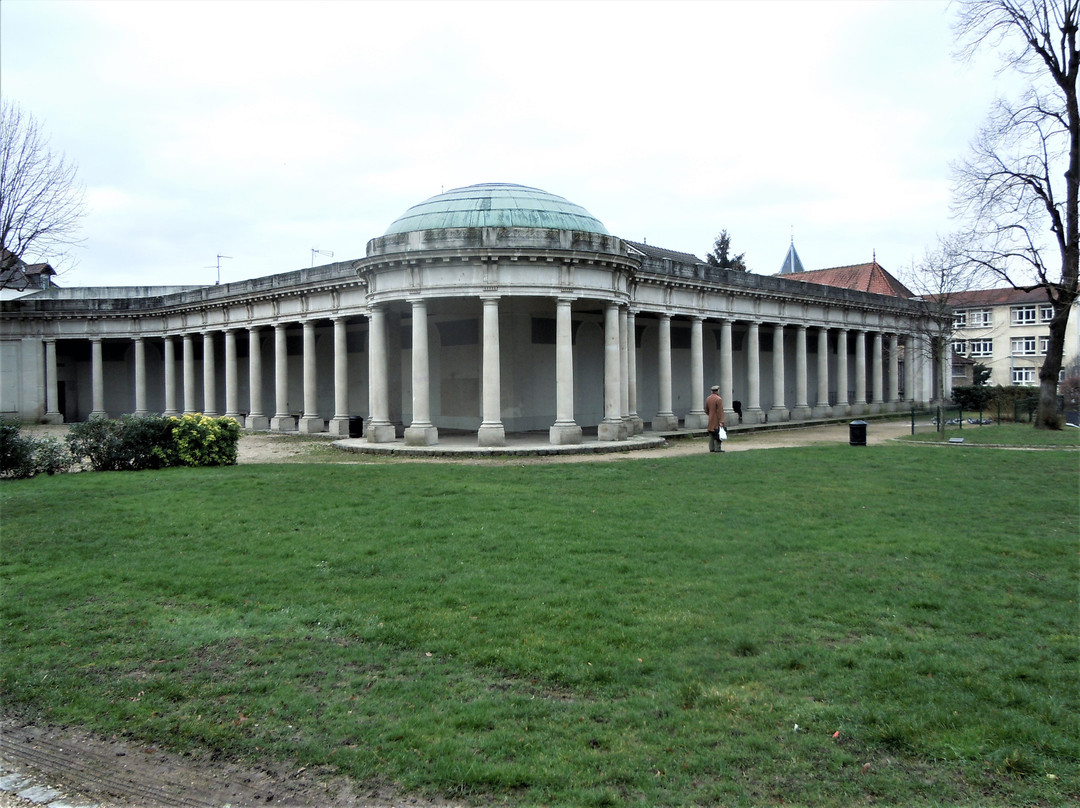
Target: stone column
{"type": "Point", "coordinates": [378, 428]}
{"type": "Point", "coordinates": [339, 424]}
{"type": "Point", "coordinates": [256, 418]}
{"type": "Point", "coordinates": [310, 422]}
{"type": "Point", "coordinates": [778, 411]}
{"type": "Point", "coordinates": [858, 407]}
{"type": "Point", "coordinates": [97, 377]}
{"type": "Point", "coordinates": [209, 375]}
{"type": "Point", "coordinates": [624, 371]}
{"type": "Point", "coordinates": [842, 407]}
{"type": "Point", "coordinates": [491, 432]}
{"type": "Point", "coordinates": [636, 424]}
{"type": "Point", "coordinates": [612, 427]}
{"type": "Point", "coordinates": [170, 377]}
{"type": "Point", "coordinates": [753, 413]}
{"type": "Point", "coordinates": [52, 411]}
{"type": "Point", "coordinates": [821, 406]}
{"type": "Point", "coordinates": [696, 418]}
{"type": "Point", "coordinates": [189, 373]}
{"type": "Point", "coordinates": [565, 430]}
{"type": "Point", "coordinates": [282, 421]}
{"type": "Point", "coordinates": [421, 432]}
{"type": "Point", "coordinates": [909, 370]}
{"type": "Point", "coordinates": [232, 378]}
{"type": "Point", "coordinates": [140, 376]}
{"type": "Point", "coordinates": [726, 383]}
{"type": "Point", "coordinates": [892, 404]}
{"type": "Point", "coordinates": [664, 420]}
{"type": "Point", "coordinates": [802, 405]}
{"type": "Point", "coordinates": [879, 382]}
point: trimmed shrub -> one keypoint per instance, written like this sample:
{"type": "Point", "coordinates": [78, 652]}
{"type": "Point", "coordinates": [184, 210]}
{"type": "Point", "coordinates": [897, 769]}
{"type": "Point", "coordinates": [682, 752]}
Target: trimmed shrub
{"type": "Point", "coordinates": [16, 452]}
{"type": "Point", "coordinates": [133, 443]}
{"type": "Point", "coordinates": [96, 441]}
{"type": "Point", "coordinates": [51, 456]}
{"type": "Point", "coordinates": [23, 456]}
{"type": "Point", "coordinates": [199, 440]}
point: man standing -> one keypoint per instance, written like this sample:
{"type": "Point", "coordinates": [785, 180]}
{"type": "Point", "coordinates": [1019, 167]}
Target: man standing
{"type": "Point", "coordinates": [714, 408]}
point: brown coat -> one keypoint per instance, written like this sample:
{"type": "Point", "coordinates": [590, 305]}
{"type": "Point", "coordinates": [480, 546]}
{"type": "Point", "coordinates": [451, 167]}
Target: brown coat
{"type": "Point", "coordinates": [714, 408]}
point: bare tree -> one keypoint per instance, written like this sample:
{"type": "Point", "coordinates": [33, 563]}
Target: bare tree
{"type": "Point", "coordinates": [1018, 190]}
{"type": "Point", "coordinates": [41, 202]}
{"type": "Point", "coordinates": [938, 279]}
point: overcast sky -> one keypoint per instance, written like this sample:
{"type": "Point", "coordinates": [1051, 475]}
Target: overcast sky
{"type": "Point", "coordinates": [262, 130]}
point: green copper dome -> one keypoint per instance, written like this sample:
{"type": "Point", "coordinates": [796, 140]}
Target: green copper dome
{"type": "Point", "coordinates": [496, 204]}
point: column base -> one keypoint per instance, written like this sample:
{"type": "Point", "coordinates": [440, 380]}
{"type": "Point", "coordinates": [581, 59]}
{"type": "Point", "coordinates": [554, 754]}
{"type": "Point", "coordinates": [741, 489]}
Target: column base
{"type": "Point", "coordinates": [779, 414]}
{"type": "Point", "coordinates": [97, 414]}
{"type": "Point", "coordinates": [257, 422]}
{"type": "Point", "coordinates": [171, 414]}
{"type": "Point", "coordinates": [309, 425]}
{"type": "Point", "coordinates": [421, 435]}
{"type": "Point", "coordinates": [801, 413]}
{"type": "Point", "coordinates": [612, 430]}
{"type": "Point", "coordinates": [52, 418]}
{"type": "Point", "coordinates": [565, 433]}
{"type": "Point", "coordinates": [841, 410]}
{"type": "Point", "coordinates": [635, 424]}
{"type": "Point", "coordinates": [491, 435]}
{"type": "Point", "coordinates": [665, 422]}
{"type": "Point", "coordinates": [380, 432]}
{"type": "Point", "coordinates": [875, 407]}
{"type": "Point", "coordinates": [283, 423]}
{"type": "Point", "coordinates": [696, 419]}
{"type": "Point", "coordinates": [892, 406]}
{"type": "Point", "coordinates": [338, 426]}
{"type": "Point", "coordinates": [754, 415]}
{"type": "Point", "coordinates": [822, 411]}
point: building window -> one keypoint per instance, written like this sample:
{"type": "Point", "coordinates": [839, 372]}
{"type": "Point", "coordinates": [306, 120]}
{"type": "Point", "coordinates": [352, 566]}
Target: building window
{"type": "Point", "coordinates": [1023, 346]}
{"type": "Point", "coordinates": [1044, 345]}
{"type": "Point", "coordinates": [1023, 315]}
{"type": "Point", "coordinates": [1046, 313]}
{"type": "Point", "coordinates": [1023, 375]}
{"type": "Point", "coordinates": [979, 318]}
{"type": "Point", "coordinates": [981, 347]}
{"type": "Point", "coordinates": [959, 346]}
{"type": "Point", "coordinates": [960, 318]}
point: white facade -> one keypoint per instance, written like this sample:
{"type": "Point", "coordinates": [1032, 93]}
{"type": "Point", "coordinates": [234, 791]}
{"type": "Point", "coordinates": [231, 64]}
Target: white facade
{"type": "Point", "coordinates": [487, 330]}
{"type": "Point", "coordinates": [1007, 331]}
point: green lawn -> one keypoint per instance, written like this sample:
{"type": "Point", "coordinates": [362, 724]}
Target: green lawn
{"type": "Point", "coordinates": [644, 632]}
{"type": "Point", "coordinates": [1004, 434]}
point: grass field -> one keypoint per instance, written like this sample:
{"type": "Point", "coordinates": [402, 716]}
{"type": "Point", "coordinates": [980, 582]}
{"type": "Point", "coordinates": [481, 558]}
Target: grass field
{"type": "Point", "coordinates": [824, 626]}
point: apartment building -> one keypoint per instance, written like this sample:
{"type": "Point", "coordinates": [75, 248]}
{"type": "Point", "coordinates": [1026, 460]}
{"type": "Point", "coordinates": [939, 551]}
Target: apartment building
{"type": "Point", "coordinates": [1008, 330]}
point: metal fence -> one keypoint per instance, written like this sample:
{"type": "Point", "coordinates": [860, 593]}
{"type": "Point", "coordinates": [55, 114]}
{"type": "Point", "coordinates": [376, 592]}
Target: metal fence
{"type": "Point", "coordinates": [954, 417]}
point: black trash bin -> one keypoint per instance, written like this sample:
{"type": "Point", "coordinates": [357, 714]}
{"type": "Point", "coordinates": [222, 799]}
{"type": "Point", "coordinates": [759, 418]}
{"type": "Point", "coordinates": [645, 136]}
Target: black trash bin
{"type": "Point", "coordinates": [857, 433]}
{"type": "Point", "coordinates": [356, 426]}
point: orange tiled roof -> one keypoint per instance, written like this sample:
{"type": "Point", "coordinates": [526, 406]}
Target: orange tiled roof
{"type": "Point", "coordinates": [870, 277]}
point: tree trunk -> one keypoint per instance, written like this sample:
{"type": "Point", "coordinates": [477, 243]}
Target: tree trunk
{"type": "Point", "coordinates": [1046, 416]}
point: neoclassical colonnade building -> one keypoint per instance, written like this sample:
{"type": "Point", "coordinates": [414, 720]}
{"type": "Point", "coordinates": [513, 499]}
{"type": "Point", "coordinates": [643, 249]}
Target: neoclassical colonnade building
{"type": "Point", "coordinates": [490, 309]}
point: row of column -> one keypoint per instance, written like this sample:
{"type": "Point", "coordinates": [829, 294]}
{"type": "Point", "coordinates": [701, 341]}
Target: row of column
{"type": "Point", "coordinates": [620, 376]}
{"type": "Point", "coordinates": [257, 418]}
{"type": "Point", "coordinates": [801, 408]}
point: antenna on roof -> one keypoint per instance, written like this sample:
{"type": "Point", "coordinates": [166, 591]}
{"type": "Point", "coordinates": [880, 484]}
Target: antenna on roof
{"type": "Point", "coordinates": [218, 267]}
{"type": "Point", "coordinates": [314, 252]}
